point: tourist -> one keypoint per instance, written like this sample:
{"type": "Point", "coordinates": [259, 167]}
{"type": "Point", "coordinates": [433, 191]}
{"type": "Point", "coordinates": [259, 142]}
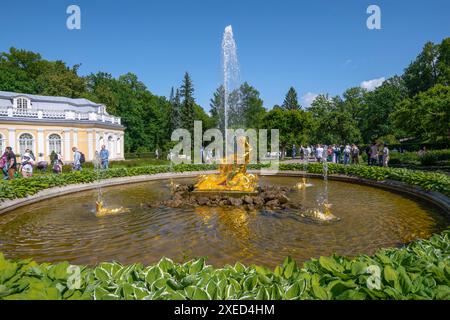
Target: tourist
{"type": "Point", "coordinates": [57, 163]}
{"type": "Point", "coordinates": [329, 154]}
{"type": "Point", "coordinates": [76, 160]}
{"type": "Point", "coordinates": [319, 153]}
{"type": "Point", "coordinates": [380, 154]}
{"type": "Point", "coordinates": [373, 154]}
{"type": "Point", "coordinates": [422, 151]}
{"type": "Point", "coordinates": [104, 157]}
{"type": "Point", "coordinates": [347, 153]}
{"type": "Point", "coordinates": [308, 152]}
{"type": "Point", "coordinates": [11, 163]}
{"type": "Point", "coordinates": [368, 151]}
{"type": "Point", "coordinates": [27, 163]}
{"type": "Point", "coordinates": [355, 154]}
{"type": "Point", "coordinates": [293, 151]}
{"type": "Point", "coordinates": [4, 165]}
{"type": "Point", "coordinates": [385, 155]}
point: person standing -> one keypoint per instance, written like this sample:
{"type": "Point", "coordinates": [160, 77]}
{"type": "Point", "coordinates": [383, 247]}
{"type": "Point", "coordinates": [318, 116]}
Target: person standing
{"type": "Point", "coordinates": [11, 162]}
{"type": "Point", "coordinates": [355, 154]}
{"type": "Point", "coordinates": [76, 160]}
{"type": "Point", "coordinates": [104, 157]}
{"type": "Point", "coordinates": [380, 154]}
{"type": "Point", "coordinates": [319, 153]}
{"type": "Point", "coordinates": [373, 154]}
{"type": "Point", "coordinates": [27, 163]}
{"type": "Point", "coordinates": [347, 152]}
{"type": "Point", "coordinates": [385, 155]}
{"type": "Point", "coordinates": [157, 153]}
{"type": "Point", "coordinates": [4, 165]}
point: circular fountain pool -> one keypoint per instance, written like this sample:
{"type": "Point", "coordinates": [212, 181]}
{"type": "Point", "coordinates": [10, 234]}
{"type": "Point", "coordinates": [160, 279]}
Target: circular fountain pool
{"type": "Point", "coordinates": [66, 228]}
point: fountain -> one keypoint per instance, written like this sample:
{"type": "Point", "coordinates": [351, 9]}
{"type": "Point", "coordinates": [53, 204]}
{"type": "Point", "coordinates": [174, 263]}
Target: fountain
{"type": "Point", "coordinates": [303, 184]}
{"type": "Point", "coordinates": [232, 176]}
{"type": "Point", "coordinates": [100, 209]}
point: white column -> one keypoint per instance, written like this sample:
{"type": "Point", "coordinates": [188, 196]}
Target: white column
{"type": "Point", "coordinates": [97, 140]}
{"type": "Point", "coordinates": [90, 138]}
{"type": "Point", "coordinates": [67, 145]}
{"type": "Point", "coordinates": [122, 150]}
{"type": "Point", "coordinates": [40, 144]}
{"type": "Point", "coordinates": [75, 137]}
{"type": "Point", "coordinates": [12, 139]}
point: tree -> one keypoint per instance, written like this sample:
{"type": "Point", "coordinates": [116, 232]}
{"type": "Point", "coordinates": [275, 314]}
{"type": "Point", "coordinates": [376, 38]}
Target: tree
{"type": "Point", "coordinates": [252, 106]}
{"type": "Point", "coordinates": [427, 115]}
{"type": "Point", "coordinates": [175, 110]}
{"type": "Point", "coordinates": [423, 73]}
{"type": "Point", "coordinates": [293, 126]}
{"type": "Point", "coordinates": [217, 108]}
{"type": "Point", "coordinates": [333, 121]}
{"type": "Point", "coordinates": [291, 100]}
{"type": "Point", "coordinates": [188, 103]}
{"type": "Point", "coordinates": [379, 104]}
{"type": "Point", "coordinates": [443, 64]}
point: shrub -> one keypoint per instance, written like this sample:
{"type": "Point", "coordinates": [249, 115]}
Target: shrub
{"type": "Point", "coordinates": [417, 271]}
{"type": "Point", "coordinates": [429, 159]}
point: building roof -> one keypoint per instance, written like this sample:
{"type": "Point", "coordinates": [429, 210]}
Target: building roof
{"type": "Point", "coordinates": [80, 102]}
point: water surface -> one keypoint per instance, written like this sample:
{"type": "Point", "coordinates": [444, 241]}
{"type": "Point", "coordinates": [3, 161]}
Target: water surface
{"type": "Point", "coordinates": [66, 228]}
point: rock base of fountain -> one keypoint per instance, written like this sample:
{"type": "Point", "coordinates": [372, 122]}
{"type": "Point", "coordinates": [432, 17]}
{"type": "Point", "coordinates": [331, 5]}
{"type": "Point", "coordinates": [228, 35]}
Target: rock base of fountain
{"type": "Point", "coordinates": [266, 197]}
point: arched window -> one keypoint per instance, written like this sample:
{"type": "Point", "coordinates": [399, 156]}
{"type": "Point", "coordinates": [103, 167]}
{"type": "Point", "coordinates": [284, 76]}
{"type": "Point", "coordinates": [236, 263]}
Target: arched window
{"type": "Point", "coordinates": [22, 103]}
{"type": "Point", "coordinates": [118, 145]}
{"type": "Point", "coordinates": [110, 145]}
{"type": "Point", "coordinates": [54, 143]}
{"type": "Point", "coordinates": [25, 142]}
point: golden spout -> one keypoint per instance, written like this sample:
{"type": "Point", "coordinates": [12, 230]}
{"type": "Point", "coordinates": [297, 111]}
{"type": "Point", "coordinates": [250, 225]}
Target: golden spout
{"type": "Point", "coordinates": [101, 211]}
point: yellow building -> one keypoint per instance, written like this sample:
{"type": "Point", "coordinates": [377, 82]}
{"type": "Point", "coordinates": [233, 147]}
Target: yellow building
{"type": "Point", "coordinates": [44, 124]}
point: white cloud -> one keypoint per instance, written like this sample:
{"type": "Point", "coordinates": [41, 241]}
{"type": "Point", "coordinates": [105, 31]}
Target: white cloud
{"type": "Point", "coordinates": [307, 99]}
{"type": "Point", "coordinates": [371, 85]}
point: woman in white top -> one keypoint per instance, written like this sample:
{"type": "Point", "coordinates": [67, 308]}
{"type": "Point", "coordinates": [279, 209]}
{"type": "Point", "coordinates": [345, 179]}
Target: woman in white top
{"type": "Point", "coordinates": [27, 163]}
{"type": "Point", "coordinates": [385, 156]}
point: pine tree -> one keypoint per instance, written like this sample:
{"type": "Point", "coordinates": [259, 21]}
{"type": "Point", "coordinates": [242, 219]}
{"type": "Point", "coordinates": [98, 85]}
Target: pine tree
{"type": "Point", "coordinates": [188, 104]}
{"type": "Point", "coordinates": [175, 110]}
{"type": "Point", "coordinates": [291, 101]}
{"type": "Point", "coordinates": [217, 108]}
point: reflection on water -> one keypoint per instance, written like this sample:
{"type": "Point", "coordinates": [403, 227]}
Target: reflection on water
{"type": "Point", "coordinates": [66, 228]}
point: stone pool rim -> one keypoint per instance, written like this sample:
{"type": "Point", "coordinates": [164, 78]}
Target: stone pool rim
{"type": "Point", "coordinates": [436, 198]}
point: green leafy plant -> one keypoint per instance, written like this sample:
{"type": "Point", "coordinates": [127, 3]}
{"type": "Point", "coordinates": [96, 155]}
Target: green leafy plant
{"type": "Point", "coordinates": [420, 270]}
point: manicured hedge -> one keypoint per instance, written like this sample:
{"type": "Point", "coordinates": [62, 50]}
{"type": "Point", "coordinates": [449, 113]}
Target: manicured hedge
{"type": "Point", "coordinates": [21, 188]}
{"type": "Point", "coordinates": [420, 270]}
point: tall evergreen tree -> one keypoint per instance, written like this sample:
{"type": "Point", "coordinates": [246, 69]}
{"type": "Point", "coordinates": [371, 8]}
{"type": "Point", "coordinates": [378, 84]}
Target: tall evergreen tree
{"type": "Point", "coordinates": [291, 100]}
{"type": "Point", "coordinates": [188, 103]}
{"type": "Point", "coordinates": [175, 110]}
{"type": "Point", "coordinates": [217, 108]}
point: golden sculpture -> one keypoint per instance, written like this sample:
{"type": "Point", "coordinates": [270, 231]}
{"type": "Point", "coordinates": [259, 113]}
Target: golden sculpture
{"type": "Point", "coordinates": [101, 211]}
{"type": "Point", "coordinates": [232, 176]}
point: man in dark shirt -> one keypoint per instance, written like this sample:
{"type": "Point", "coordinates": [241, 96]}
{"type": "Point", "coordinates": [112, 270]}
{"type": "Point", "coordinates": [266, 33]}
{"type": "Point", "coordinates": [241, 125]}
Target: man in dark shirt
{"type": "Point", "coordinates": [12, 162]}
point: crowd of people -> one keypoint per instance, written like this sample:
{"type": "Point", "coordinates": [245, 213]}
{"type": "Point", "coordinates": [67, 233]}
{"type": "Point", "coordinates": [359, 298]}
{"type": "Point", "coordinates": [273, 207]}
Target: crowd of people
{"type": "Point", "coordinates": [377, 153]}
{"type": "Point", "coordinates": [12, 168]}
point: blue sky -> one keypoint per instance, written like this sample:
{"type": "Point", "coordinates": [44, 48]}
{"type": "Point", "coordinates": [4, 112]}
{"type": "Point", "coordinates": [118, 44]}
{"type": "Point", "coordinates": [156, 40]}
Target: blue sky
{"type": "Point", "coordinates": [314, 46]}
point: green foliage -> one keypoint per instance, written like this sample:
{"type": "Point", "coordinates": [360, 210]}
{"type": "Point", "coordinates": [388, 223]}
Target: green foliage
{"type": "Point", "coordinates": [427, 115]}
{"type": "Point", "coordinates": [20, 188]}
{"type": "Point", "coordinates": [187, 104]}
{"type": "Point", "coordinates": [420, 270]}
{"type": "Point", "coordinates": [285, 120]}
{"type": "Point", "coordinates": [425, 180]}
{"type": "Point", "coordinates": [291, 100]}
